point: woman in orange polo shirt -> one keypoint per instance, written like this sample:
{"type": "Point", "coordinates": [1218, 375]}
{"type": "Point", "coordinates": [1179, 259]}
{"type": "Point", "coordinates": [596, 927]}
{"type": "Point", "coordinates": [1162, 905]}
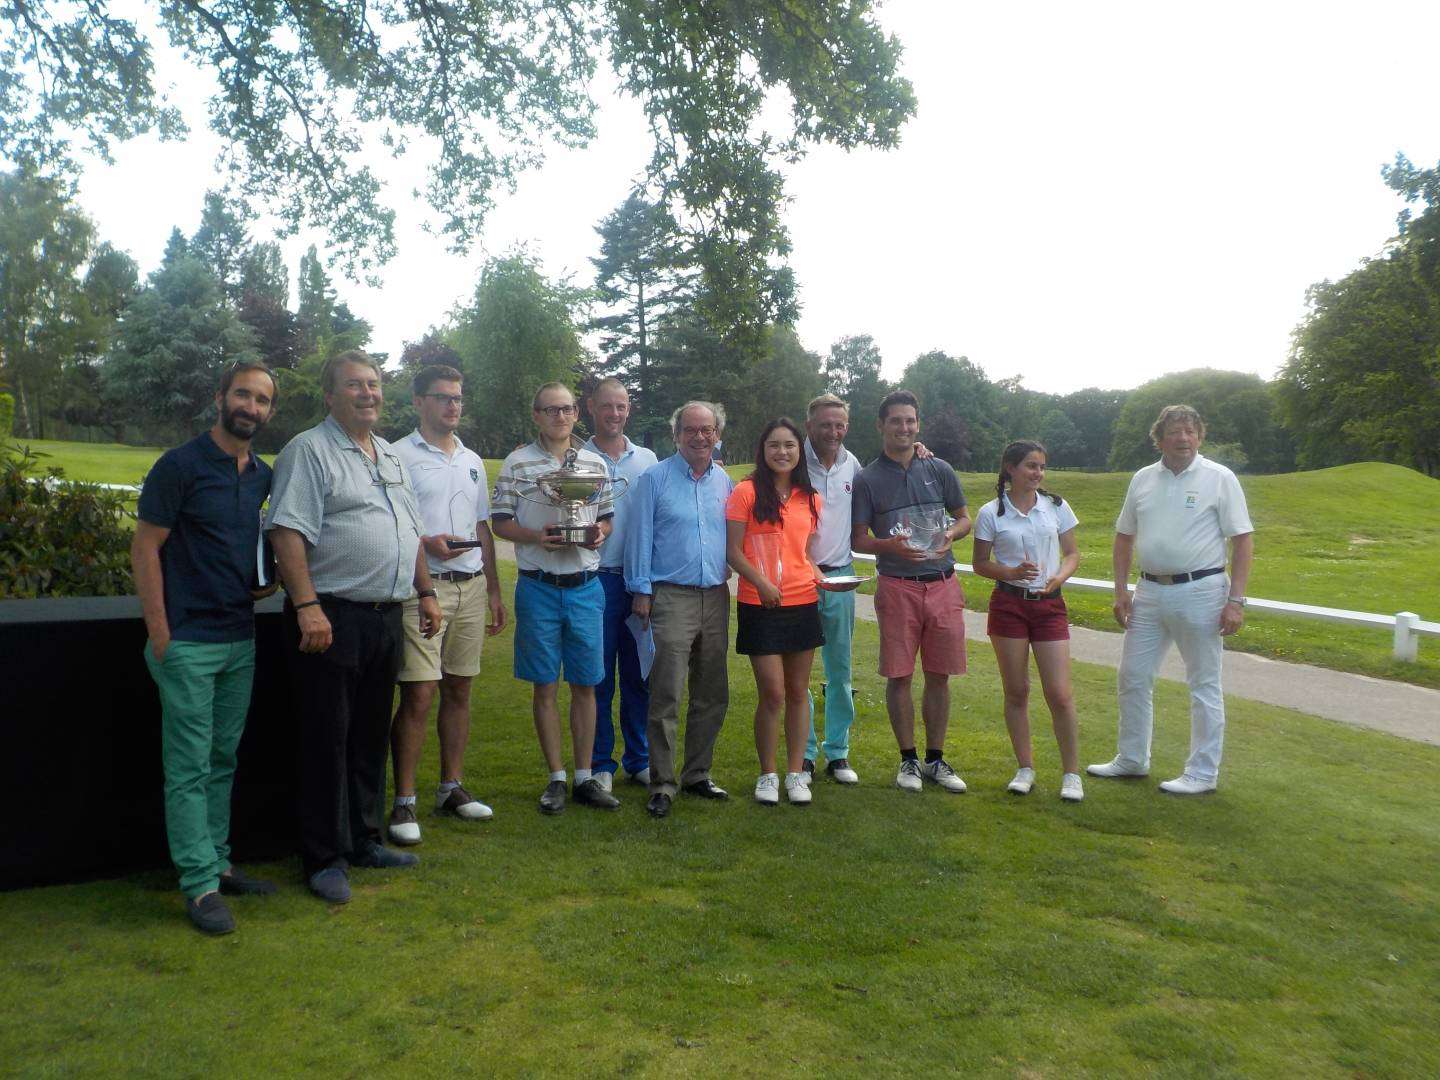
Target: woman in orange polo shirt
{"type": "Point", "coordinates": [770, 518]}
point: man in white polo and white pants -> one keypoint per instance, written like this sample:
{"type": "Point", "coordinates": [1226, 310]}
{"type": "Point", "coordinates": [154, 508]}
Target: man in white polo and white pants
{"type": "Point", "coordinates": [1179, 512]}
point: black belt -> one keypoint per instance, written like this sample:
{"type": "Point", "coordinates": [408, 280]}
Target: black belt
{"type": "Point", "coordinates": [933, 575]}
{"type": "Point", "coordinates": [829, 569]}
{"type": "Point", "coordinates": [561, 581]}
{"type": "Point", "coordinates": [692, 588]}
{"type": "Point", "coordinates": [1026, 594]}
{"type": "Point", "coordinates": [381, 606]}
{"type": "Point", "coordinates": [1180, 579]}
{"type": "Point", "coordinates": [455, 575]}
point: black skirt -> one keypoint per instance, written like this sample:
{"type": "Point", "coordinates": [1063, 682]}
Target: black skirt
{"type": "Point", "coordinates": [761, 631]}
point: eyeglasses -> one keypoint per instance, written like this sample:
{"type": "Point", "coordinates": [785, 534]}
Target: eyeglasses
{"type": "Point", "coordinates": [388, 471]}
{"type": "Point", "coordinates": [703, 432]}
{"type": "Point", "coordinates": [556, 411]}
{"type": "Point", "coordinates": [448, 399]}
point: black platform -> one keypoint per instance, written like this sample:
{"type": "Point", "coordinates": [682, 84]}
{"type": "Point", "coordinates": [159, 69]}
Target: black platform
{"type": "Point", "coordinates": [80, 765]}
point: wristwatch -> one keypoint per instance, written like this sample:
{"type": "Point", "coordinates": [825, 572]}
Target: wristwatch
{"type": "Point", "coordinates": [1237, 600]}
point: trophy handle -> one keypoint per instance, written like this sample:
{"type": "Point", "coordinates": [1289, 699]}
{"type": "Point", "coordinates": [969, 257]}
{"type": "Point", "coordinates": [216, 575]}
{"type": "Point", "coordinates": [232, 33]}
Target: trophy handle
{"type": "Point", "coordinates": [618, 486]}
{"type": "Point", "coordinates": [530, 492]}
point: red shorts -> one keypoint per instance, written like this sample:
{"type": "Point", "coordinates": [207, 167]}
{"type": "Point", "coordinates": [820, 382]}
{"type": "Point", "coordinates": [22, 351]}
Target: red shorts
{"type": "Point", "coordinates": [927, 617]}
{"type": "Point", "coordinates": [1032, 620]}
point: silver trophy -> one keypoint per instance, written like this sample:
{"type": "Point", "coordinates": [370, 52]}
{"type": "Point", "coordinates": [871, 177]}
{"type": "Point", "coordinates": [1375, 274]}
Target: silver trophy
{"type": "Point", "coordinates": [575, 488]}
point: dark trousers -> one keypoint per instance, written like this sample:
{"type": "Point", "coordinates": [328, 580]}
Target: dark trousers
{"type": "Point", "coordinates": [634, 690]}
{"type": "Point", "coordinates": [343, 700]}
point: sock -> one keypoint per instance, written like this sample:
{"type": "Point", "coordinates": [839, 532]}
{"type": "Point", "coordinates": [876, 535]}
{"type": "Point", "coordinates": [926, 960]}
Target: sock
{"type": "Point", "coordinates": [907, 755]}
{"type": "Point", "coordinates": [558, 774]}
{"type": "Point", "coordinates": [932, 755]}
{"type": "Point", "coordinates": [581, 775]}
{"type": "Point", "coordinates": [447, 786]}
{"type": "Point", "coordinates": [404, 800]}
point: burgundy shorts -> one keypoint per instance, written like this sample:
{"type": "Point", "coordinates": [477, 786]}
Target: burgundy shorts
{"type": "Point", "coordinates": [927, 617]}
{"type": "Point", "coordinates": [1032, 620]}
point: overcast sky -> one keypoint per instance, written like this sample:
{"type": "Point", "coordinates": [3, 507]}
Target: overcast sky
{"type": "Point", "coordinates": [1090, 195]}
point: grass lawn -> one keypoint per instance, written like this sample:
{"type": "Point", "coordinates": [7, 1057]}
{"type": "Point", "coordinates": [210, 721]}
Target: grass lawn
{"type": "Point", "coordinates": [1318, 541]}
{"type": "Point", "coordinates": [1288, 925]}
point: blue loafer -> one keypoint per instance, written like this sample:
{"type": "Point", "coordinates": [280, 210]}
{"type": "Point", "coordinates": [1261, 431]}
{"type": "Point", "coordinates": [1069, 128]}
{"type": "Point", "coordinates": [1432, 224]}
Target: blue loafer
{"type": "Point", "coordinates": [331, 884]}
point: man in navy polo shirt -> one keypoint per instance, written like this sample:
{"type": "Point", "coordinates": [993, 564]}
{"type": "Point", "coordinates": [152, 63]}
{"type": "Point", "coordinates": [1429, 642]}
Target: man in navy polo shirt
{"type": "Point", "coordinates": [194, 558]}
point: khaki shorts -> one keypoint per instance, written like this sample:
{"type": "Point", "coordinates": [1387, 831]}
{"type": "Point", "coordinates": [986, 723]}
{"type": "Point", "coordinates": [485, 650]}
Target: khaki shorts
{"type": "Point", "coordinates": [456, 649]}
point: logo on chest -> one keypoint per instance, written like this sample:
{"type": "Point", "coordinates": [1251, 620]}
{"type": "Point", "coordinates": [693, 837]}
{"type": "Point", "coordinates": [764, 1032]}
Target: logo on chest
{"type": "Point", "coordinates": [1191, 498]}
{"type": "Point", "coordinates": [474, 476]}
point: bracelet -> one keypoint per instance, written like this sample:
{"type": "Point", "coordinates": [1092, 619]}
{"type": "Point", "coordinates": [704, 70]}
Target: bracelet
{"type": "Point", "coordinates": [307, 603]}
{"type": "Point", "coordinates": [423, 593]}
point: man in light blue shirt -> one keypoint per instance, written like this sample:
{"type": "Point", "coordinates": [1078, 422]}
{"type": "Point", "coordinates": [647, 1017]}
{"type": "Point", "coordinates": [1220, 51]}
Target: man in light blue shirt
{"type": "Point", "coordinates": [609, 408]}
{"type": "Point", "coordinates": [675, 571]}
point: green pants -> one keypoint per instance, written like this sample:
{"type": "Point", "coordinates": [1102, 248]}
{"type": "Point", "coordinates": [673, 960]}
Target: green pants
{"type": "Point", "coordinates": [204, 696]}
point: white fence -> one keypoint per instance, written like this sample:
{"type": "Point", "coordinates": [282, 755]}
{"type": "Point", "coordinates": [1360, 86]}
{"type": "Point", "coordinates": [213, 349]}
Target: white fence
{"type": "Point", "coordinates": [1406, 627]}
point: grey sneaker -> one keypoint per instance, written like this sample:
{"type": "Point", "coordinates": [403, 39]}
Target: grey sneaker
{"type": "Point", "coordinates": [940, 772]}
{"type": "Point", "coordinates": [552, 801]}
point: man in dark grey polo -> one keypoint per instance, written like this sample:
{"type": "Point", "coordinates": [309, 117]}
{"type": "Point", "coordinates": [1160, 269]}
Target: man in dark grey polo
{"type": "Point", "coordinates": [907, 512]}
{"type": "Point", "coordinates": [346, 533]}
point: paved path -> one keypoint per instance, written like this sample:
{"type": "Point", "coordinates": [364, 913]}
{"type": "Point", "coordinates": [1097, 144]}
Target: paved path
{"type": "Point", "coordinates": [1411, 712]}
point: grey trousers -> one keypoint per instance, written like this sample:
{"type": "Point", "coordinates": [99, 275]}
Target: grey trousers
{"type": "Point", "coordinates": [692, 639]}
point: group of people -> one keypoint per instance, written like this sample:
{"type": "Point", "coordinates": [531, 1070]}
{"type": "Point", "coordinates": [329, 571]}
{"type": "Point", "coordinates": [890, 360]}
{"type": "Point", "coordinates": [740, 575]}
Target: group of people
{"type": "Point", "coordinates": [387, 556]}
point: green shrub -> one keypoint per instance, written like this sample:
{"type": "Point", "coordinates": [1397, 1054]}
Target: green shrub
{"type": "Point", "coordinates": [59, 538]}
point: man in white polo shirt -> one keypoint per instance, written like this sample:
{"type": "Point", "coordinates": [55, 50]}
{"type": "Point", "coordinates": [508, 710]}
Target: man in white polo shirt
{"type": "Point", "coordinates": [1179, 512]}
{"type": "Point", "coordinates": [559, 603]}
{"type": "Point", "coordinates": [451, 493]}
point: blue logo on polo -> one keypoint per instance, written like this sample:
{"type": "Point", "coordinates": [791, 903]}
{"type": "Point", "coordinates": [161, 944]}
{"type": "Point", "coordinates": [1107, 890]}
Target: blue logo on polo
{"type": "Point", "coordinates": [475, 475]}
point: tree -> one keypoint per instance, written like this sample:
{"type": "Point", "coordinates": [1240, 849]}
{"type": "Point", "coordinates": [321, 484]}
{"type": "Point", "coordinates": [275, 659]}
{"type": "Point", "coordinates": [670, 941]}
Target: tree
{"type": "Point", "coordinates": [852, 373]}
{"type": "Point", "coordinates": [1093, 412]}
{"type": "Point", "coordinates": [641, 281]}
{"type": "Point", "coordinates": [780, 383]}
{"type": "Point", "coordinates": [175, 338]}
{"type": "Point", "coordinates": [518, 333]}
{"type": "Point", "coordinates": [1238, 408]}
{"type": "Point", "coordinates": [955, 392]}
{"type": "Point", "coordinates": [44, 241]}
{"type": "Point", "coordinates": [488, 84]}
{"type": "Point", "coordinates": [1064, 443]}
{"type": "Point", "coordinates": [1363, 376]}
{"type": "Point", "coordinates": [222, 241]}
{"type": "Point", "coordinates": [263, 273]}
{"type": "Point", "coordinates": [317, 300]}
{"type": "Point", "coordinates": [111, 281]}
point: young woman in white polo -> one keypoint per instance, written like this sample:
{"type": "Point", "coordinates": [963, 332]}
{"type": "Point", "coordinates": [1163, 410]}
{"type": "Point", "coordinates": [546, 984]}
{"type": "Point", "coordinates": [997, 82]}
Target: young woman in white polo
{"type": "Point", "coordinates": [1025, 543]}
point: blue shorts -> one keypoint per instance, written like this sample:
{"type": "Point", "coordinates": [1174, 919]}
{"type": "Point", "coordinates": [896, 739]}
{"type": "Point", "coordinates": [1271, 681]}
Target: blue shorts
{"type": "Point", "coordinates": [555, 626]}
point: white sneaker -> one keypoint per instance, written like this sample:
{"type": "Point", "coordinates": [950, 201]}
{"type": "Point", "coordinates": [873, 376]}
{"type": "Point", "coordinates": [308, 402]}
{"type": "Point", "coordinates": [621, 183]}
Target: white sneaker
{"type": "Point", "coordinates": [605, 780]}
{"type": "Point", "coordinates": [1023, 782]}
{"type": "Point", "coordinates": [797, 788]}
{"type": "Point", "coordinates": [908, 779]}
{"type": "Point", "coordinates": [939, 772]}
{"type": "Point", "coordinates": [642, 777]}
{"type": "Point", "coordinates": [1185, 784]}
{"type": "Point", "coordinates": [767, 789]}
{"type": "Point", "coordinates": [1071, 790]}
{"type": "Point", "coordinates": [841, 772]}
{"type": "Point", "coordinates": [1114, 767]}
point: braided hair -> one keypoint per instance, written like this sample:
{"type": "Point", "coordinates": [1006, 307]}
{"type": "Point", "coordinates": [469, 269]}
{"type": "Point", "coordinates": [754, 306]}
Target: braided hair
{"type": "Point", "coordinates": [767, 499]}
{"type": "Point", "coordinates": [1013, 455]}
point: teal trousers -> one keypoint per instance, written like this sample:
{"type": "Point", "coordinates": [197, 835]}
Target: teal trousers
{"type": "Point", "coordinates": [204, 696]}
{"type": "Point", "coordinates": [837, 620]}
